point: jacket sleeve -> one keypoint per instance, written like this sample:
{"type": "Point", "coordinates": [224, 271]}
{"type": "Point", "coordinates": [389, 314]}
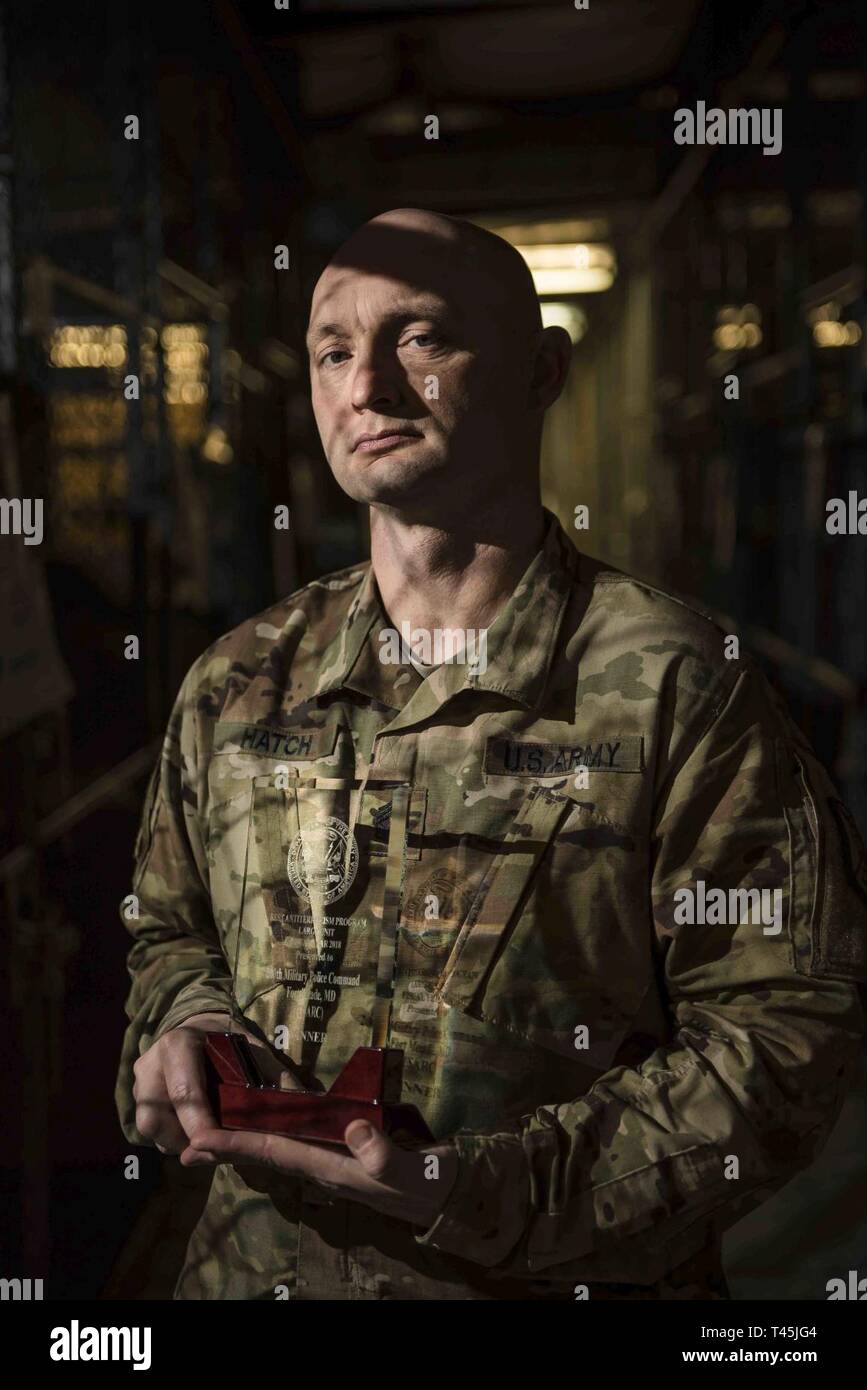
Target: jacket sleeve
{"type": "Point", "coordinates": [176, 962]}
{"type": "Point", "coordinates": [766, 1024]}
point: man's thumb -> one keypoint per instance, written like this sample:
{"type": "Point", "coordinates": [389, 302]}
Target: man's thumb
{"type": "Point", "coordinates": [371, 1148]}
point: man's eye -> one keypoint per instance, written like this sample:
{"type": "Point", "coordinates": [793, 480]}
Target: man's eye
{"type": "Point", "coordinates": [333, 352]}
{"type": "Point", "coordinates": [425, 340]}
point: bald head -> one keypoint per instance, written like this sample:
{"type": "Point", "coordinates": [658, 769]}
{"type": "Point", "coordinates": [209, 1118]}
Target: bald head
{"type": "Point", "coordinates": [429, 363]}
{"type": "Point", "coordinates": [450, 256]}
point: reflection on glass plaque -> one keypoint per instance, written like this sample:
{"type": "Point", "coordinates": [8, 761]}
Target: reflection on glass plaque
{"type": "Point", "coordinates": [320, 913]}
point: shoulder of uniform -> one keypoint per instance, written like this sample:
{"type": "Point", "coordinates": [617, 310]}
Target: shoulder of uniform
{"type": "Point", "coordinates": [322, 600]}
{"type": "Point", "coordinates": [685, 619]}
{"type": "Point", "coordinates": [657, 643]}
{"type": "Point", "coordinates": [306, 620]}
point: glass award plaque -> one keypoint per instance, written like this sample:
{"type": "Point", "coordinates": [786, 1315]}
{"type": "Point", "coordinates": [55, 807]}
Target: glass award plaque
{"type": "Point", "coordinates": [326, 844]}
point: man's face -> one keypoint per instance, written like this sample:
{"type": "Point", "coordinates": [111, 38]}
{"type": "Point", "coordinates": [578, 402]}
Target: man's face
{"type": "Point", "coordinates": [415, 391]}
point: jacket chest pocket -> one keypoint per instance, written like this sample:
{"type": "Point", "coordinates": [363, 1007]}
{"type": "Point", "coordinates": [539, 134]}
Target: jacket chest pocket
{"type": "Point", "coordinates": [548, 951]}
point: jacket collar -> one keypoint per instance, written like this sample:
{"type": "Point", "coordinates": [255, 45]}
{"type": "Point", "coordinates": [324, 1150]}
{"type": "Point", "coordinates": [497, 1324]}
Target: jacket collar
{"type": "Point", "coordinates": [520, 642]}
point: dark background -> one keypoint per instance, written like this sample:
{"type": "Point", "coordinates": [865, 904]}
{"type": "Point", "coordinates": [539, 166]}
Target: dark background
{"type": "Point", "coordinates": [262, 127]}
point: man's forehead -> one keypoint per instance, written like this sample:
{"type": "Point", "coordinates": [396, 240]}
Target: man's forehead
{"type": "Point", "coordinates": [342, 292]}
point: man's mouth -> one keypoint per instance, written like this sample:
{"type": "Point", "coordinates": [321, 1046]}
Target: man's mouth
{"type": "Point", "coordinates": [385, 439]}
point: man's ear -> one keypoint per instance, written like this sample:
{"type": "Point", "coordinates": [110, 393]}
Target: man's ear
{"type": "Point", "coordinates": [551, 367]}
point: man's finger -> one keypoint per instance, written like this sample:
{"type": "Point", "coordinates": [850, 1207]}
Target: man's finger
{"type": "Point", "coordinates": [374, 1169]}
{"type": "Point", "coordinates": [192, 1158]}
{"type": "Point", "coordinates": [184, 1075]}
{"type": "Point", "coordinates": [155, 1117]}
{"type": "Point", "coordinates": [250, 1146]}
{"type": "Point", "coordinates": [285, 1155]}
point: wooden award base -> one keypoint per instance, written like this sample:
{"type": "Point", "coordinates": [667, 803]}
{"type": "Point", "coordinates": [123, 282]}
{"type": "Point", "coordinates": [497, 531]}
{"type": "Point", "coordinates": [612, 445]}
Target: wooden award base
{"type": "Point", "coordinates": [363, 1091]}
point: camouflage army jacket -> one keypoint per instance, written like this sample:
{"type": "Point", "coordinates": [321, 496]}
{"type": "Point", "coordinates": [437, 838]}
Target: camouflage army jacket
{"type": "Point", "coordinates": [622, 1076]}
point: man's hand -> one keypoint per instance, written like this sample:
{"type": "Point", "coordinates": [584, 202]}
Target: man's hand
{"type": "Point", "coordinates": [171, 1101]}
{"type": "Point", "coordinates": [377, 1172]}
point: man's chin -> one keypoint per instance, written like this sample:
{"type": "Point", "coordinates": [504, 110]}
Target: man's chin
{"type": "Point", "coordinates": [387, 480]}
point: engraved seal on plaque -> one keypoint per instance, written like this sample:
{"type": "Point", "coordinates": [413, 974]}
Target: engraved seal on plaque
{"type": "Point", "coordinates": [319, 854]}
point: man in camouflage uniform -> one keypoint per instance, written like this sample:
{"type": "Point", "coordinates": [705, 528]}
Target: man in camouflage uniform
{"type": "Point", "coordinates": [609, 1083]}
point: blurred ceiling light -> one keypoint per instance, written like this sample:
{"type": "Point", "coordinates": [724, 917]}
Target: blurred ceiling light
{"type": "Point", "coordinates": [577, 268]}
{"type": "Point", "coordinates": [828, 331]}
{"type": "Point", "coordinates": [738, 327]}
{"type": "Point", "coordinates": [768, 214]}
{"type": "Point", "coordinates": [763, 212]}
{"type": "Point", "coordinates": [185, 354]}
{"type": "Point", "coordinates": [408, 118]}
{"type": "Point", "coordinates": [568, 316]}
{"type": "Point", "coordinates": [216, 447]}
{"type": "Point", "coordinates": [87, 345]}
{"type": "Point", "coordinates": [829, 334]}
{"type": "Point", "coordinates": [558, 231]}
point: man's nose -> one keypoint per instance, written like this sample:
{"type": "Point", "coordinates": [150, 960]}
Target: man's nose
{"type": "Point", "coordinates": [376, 382]}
